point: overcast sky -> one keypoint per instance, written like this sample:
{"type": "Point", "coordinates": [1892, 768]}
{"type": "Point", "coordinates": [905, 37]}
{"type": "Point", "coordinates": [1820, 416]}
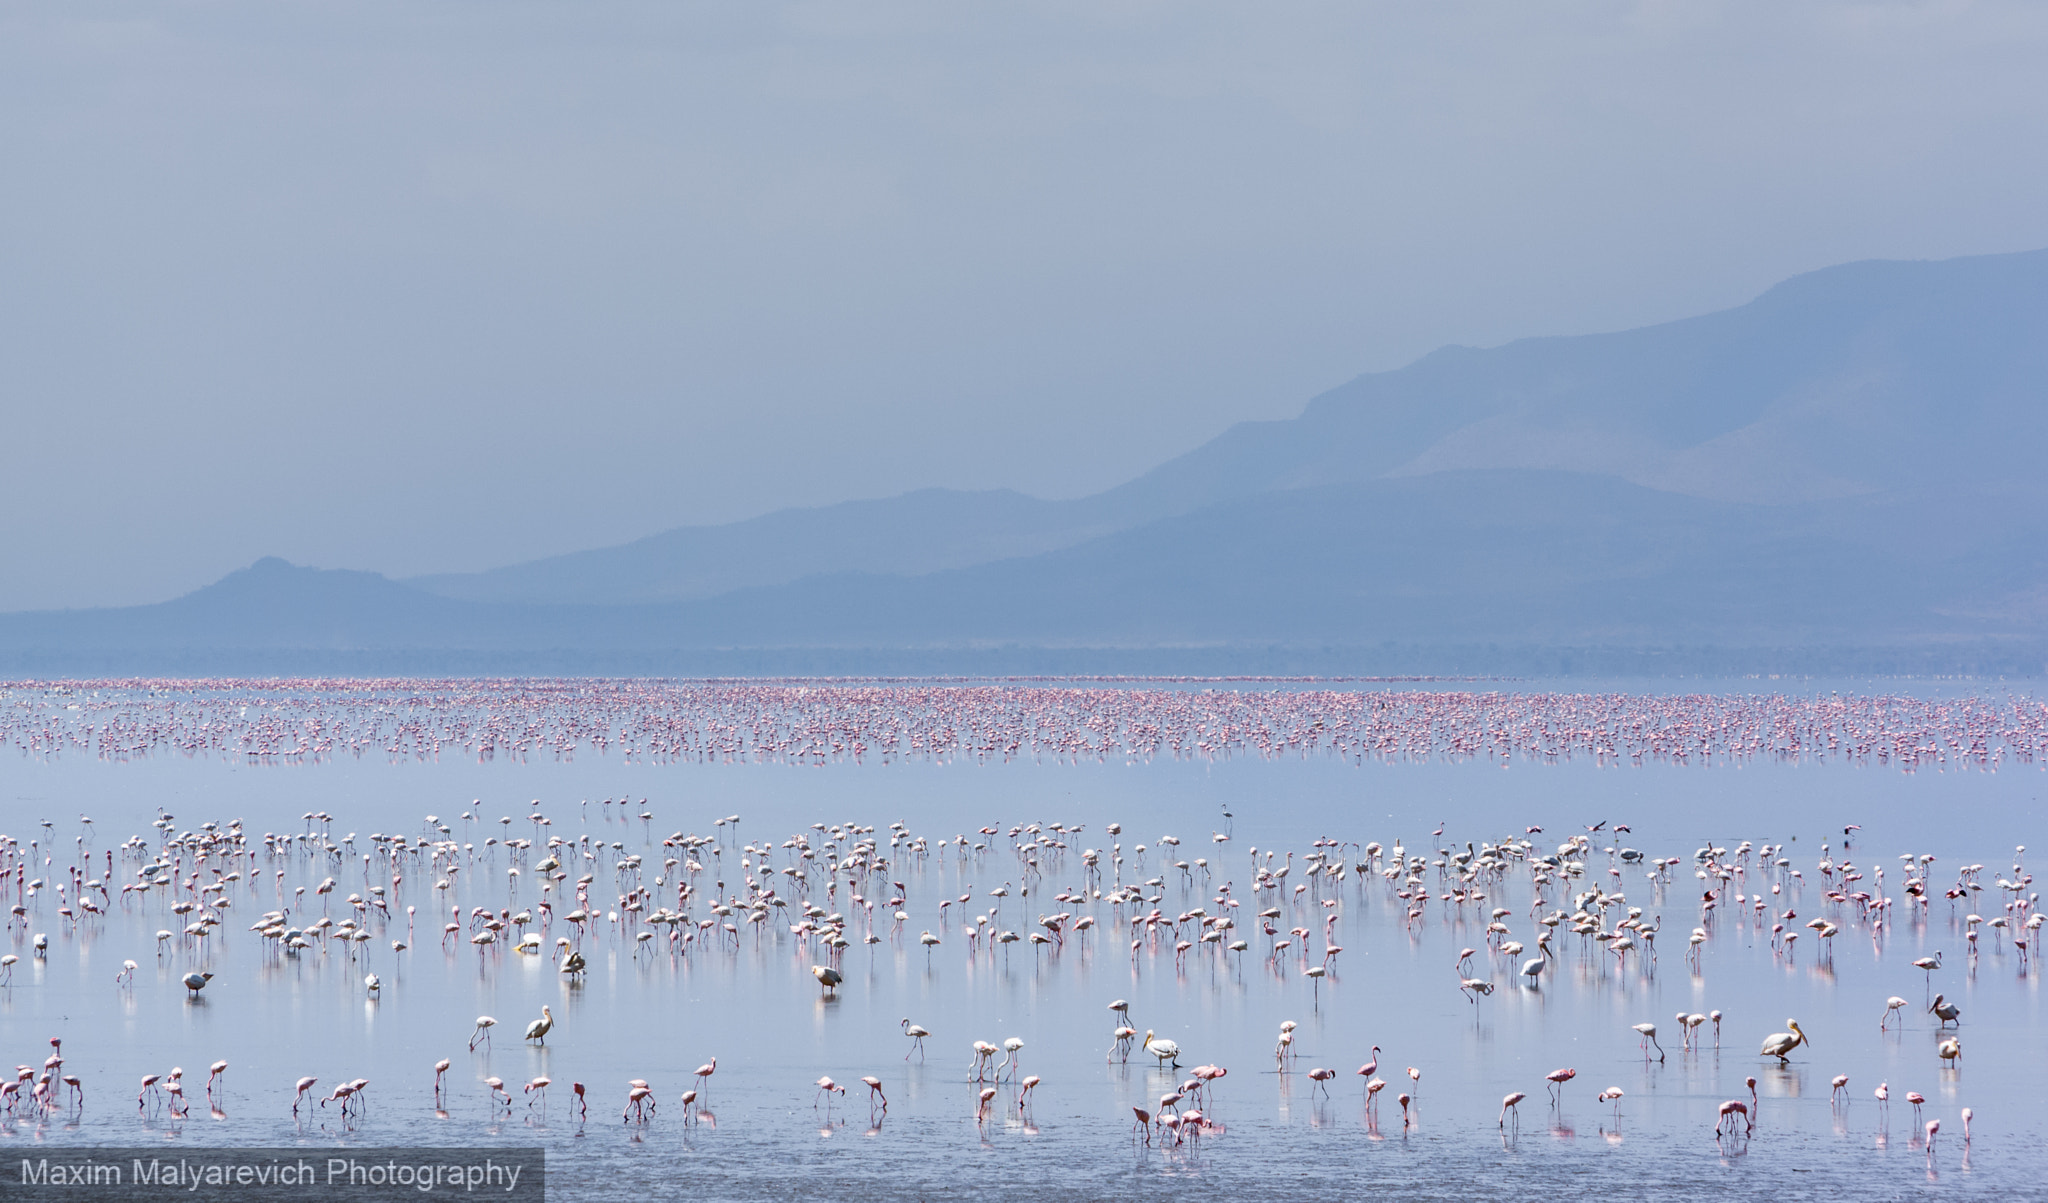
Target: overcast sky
{"type": "Point", "coordinates": [424, 287]}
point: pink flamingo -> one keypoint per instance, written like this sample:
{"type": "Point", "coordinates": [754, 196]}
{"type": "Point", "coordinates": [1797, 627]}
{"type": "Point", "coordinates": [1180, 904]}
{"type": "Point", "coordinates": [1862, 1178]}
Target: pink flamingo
{"type": "Point", "coordinates": [1509, 1104]}
{"type": "Point", "coordinates": [1557, 1078]}
{"type": "Point", "coordinates": [827, 1087]}
{"type": "Point", "coordinates": [1729, 1111]}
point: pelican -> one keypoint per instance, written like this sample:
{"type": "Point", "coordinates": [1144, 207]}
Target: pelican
{"type": "Point", "coordinates": [827, 977]}
{"type": "Point", "coordinates": [539, 1028]}
{"type": "Point", "coordinates": [1165, 1050]}
{"type": "Point", "coordinates": [1777, 1044]}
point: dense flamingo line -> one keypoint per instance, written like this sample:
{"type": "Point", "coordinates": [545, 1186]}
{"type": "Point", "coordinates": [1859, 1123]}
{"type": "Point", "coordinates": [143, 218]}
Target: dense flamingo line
{"type": "Point", "coordinates": [831, 721]}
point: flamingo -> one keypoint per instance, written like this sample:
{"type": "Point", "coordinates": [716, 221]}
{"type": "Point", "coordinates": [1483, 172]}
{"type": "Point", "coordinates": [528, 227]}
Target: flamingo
{"type": "Point", "coordinates": [1728, 1113]}
{"type": "Point", "coordinates": [1928, 965]}
{"type": "Point", "coordinates": [874, 1086]}
{"type": "Point", "coordinates": [917, 1035]}
{"type": "Point", "coordinates": [1510, 1103]}
{"type": "Point", "coordinates": [826, 1088]}
{"type": "Point", "coordinates": [1557, 1078]}
{"type": "Point", "coordinates": [484, 1024]}
{"type": "Point", "coordinates": [1648, 1031]}
{"type": "Point", "coordinates": [703, 1075]}
{"type": "Point", "coordinates": [1892, 1005]}
{"type": "Point", "coordinates": [305, 1084]}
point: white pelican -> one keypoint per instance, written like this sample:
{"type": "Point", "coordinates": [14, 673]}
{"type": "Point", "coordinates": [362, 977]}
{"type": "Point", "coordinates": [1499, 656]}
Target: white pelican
{"type": "Point", "coordinates": [1777, 1044]}
{"type": "Point", "coordinates": [1165, 1050]}
{"type": "Point", "coordinates": [539, 1028]}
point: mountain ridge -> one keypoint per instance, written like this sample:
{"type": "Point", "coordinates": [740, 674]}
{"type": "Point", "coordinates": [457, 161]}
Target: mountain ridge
{"type": "Point", "coordinates": [1845, 461]}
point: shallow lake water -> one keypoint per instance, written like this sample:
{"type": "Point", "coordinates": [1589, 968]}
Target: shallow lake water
{"type": "Point", "coordinates": [656, 1010]}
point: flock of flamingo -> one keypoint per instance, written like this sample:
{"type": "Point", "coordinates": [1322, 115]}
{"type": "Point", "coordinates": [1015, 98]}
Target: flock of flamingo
{"type": "Point", "coordinates": [831, 890]}
{"type": "Point", "coordinates": [1180, 718]}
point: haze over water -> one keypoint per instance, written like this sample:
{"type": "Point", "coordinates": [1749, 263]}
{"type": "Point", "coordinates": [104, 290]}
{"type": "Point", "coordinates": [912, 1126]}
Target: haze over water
{"type": "Point", "coordinates": [658, 1013]}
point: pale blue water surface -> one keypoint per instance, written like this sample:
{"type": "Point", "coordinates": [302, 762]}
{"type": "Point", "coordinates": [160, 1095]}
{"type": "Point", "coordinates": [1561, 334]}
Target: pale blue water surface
{"type": "Point", "coordinates": [656, 1013]}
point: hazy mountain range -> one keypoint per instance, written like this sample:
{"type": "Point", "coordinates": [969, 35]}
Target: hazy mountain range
{"type": "Point", "coordinates": [1848, 465]}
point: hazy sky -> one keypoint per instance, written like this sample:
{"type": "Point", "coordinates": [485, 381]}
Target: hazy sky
{"type": "Point", "coordinates": [419, 287]}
